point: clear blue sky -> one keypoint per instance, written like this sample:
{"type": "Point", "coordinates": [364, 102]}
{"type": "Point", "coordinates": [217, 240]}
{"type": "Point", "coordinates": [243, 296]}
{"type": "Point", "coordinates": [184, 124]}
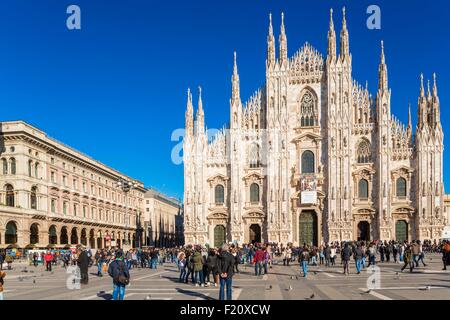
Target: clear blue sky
{"type": "Point", "coordinates": [116, 89]}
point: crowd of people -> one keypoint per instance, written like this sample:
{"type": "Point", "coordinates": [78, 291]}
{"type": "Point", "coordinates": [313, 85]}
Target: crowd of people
{"type": "Point", "coordinates": [205, 266]}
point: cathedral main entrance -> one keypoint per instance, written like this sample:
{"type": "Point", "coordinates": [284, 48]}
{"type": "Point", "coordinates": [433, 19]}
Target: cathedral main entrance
{"type": "Point", "coordinates": [363, 231]}
{"type": "Point", "coordinates": [219, 236]}
{"type": "Point", "coordinates": [401, 230]}
{"type": "Point", "coordinates": [255, 233]}
{"type": "Point", "coordinates": [308, 228]}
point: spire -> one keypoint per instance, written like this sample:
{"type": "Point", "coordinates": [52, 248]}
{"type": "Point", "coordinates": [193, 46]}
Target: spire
{"type": "Point", "coordinates": [270, 44]}
{"type": "Point", "coordinates": [428, 90]}
{"type": "Point", "coordinates": [200, 114]}
{"type": "Point", "coordinates": [434, 85]}
{"type": "Point", "coordinates": [344, 48]}
{"type": "Point", "coordinates": [283, 42]}
{"type": "Point", "coordinates": [422, 91]}
{"type": "Point", "coordinates": [382, 71]}
{"type": "Point", "coordinates": [409, 114]}
{"type": "Point", "coordinates": [235, 90]}
{"type": "Point", "coordinates": [331, 38]}
{"type": "Point", "coordinates": [189, 114]}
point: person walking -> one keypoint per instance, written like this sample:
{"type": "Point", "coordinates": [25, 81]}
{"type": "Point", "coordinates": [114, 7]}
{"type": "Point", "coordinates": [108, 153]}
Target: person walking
{"type": "Point", "coordinates": [327, 254]}
{"type": "Point", "coordinates": [83, 264]}
{"type": "Point", "coordinates": [99, 262]}
{"type": "Point", "coordinates": [198, 267]}
{"type": "Point", "coordinates": [446, 254]}
{"type": "Point", "coordinates": [258, 260]}
{"type": "Point", "coordinates": [211, 263]}
{"type": "Point", "coordinates": [225, 263]}
{"type": "Point", "coordinates": [408, 259]}
{"type": "Point", "coordinates": [372, 252]}
{"type": "Point", "coordinates": [182, 266]}
{"type": "Point", "coordinates": [303, 259]}
{"type": "Point", "coordinates": [120, 274]}
{"type": "Point", "coordinates": [359, 251]}
{"type": "Point", "coordinates": [48, 258]}
{"type": "Point", "coordinates": [346, 255]}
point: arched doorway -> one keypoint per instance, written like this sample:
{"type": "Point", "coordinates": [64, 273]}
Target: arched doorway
{"type": "Point", "coordinates": [64, 238]}
{"type": "Point", "coordinates": [401, 230]}
{"type": "Point", "coordinates": [307, 228]}
{"type": "Point", "coordinates": [92, 238]}
{"type": "Point", "coordinates": [83, 238]}
{"type": "Point", "coordinates": [11, 233]}
{"type": "Point", "coordinates": [34, 233]}
{"type": "Point", "coordinates": [219, 236]}
{"type": "Point", "coordinates": [255, 233]}
{"type": "Point", "coordinates": [74, 236]}
{"type": "Point", "coordinates": [52, 236]}
{"type": "Point", "coordinates": [363, 231]}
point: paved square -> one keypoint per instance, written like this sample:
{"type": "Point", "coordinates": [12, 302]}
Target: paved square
{"type": "Point", "coordinates": [282, 282]}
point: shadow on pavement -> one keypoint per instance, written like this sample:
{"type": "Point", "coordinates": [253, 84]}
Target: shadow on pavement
{"type": "Point", "coordinates": [194, 294]}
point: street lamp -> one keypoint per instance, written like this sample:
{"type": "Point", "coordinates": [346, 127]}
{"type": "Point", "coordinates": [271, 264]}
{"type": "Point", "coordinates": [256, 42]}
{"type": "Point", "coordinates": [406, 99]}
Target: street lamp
{"type": "Point", "coordinates": [127, 186]}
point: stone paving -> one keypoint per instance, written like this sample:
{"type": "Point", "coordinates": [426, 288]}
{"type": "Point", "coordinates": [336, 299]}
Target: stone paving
{"type": "Point", "coordinates": [281, 282]}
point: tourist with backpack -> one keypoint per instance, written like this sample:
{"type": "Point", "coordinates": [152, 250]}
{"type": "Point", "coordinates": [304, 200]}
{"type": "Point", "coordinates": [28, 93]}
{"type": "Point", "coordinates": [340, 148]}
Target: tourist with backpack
{"type": "Point", "coordinates": [118, 271]}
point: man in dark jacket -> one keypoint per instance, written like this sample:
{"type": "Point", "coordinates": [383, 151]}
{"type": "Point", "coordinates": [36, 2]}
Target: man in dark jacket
{"type": "Point", "coordinates": [358, 253]}
{"type": "Point", "coordinates": [83, 264]}
{"type": "Point", "coordinates": [118, 271]}
{"type": "Point", "coordinates": [346, 255]}
{"type": "Point", "coordinates": [225, 263]}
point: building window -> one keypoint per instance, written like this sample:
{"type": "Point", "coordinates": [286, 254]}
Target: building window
{"type": "Point", "coordinates": [5, 166]}
{"type": "Point", "coordinates": [64, 165]}
{"type": "Point", "coordinates": [33, 198]}
{"type": "Point", "coordinates": [52, 160]}
{"type": "Point", "coordinates": [75, 210]}
{"type": "Point", "coordinates": [219, 194]}
{"type": "Point", "coordinates": [363, 189]}
{"type": "Point", "coordinates": [9, 195]}
{"type": "Point", "coordinates": [363, 152]}
{"type": "Point", "coordinates": [53, 176]}
{"type": "Point", "coordinates": [401, 187]}
{"type": "Point", "coordinates": [254, 193]}
{"type": "Point", "coordinates": [36, 170]}
{"type": "Point", "coordinates": [74, 184]}
{"type": "Point", "coordinates": [100, 214]}
{"type": "Point", "coordinates": [13, 166]}
{"type": "Point", "coordinates": [92, 189]}
{"type": "Point", "coordinates": [307, 162]}
{"type": "Point", "coordinates": [64, 207]}
{"type": "Point", "coordinates": [84, 211]}
{"type": "Point", "coordinates": [30, 169]}
{"type": "Point", "coordinates": [84, 186]}
{"type": "Point", "coordinates": [308, 110]}
{"type": "Point", "coordinates": [92, 213]}
{"type": "Point", "coordinates": [53, 205]}
{"type": "Point", "coordinates": [64, 181]}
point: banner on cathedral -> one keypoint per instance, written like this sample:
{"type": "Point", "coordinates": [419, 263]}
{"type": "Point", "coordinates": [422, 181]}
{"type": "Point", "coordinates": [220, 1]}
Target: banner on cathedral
{"type": "Point", "coordinates": [309, 197]}
{"type": "Point", "coordinates": [308, 184]}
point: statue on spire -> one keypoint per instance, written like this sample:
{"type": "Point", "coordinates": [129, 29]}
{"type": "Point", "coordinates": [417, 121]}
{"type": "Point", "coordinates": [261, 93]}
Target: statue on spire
{"type": "Point", "coordinates": [283, 42]}
{"type": "Point", "coordinates": [344, 49]}
{"type": "Point", "coordinates": [235, 90]}
{"type": "Point", "coordinates": [270, 44]}
{"type": "Point", "coordinates": [331, 38]}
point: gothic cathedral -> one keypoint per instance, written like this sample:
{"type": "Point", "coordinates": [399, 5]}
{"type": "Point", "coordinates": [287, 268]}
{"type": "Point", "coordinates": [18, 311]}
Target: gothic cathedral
{"type": "Point", "coordinates": [312, 157]}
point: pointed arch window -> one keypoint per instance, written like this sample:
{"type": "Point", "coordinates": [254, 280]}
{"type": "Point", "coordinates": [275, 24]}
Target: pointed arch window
{"type": "Point", "coordinates": [219, 194]}
{"type": "Point", "coordinates": [307, 162]}
{"type": "Point", "coordinates": [363, 189]}
{"type": "Point", "coordinates": [401, 187]}
{"type": "Point", "coordinates": [363, 154]}
{"type": "Point", "coordinates": [308, 110]}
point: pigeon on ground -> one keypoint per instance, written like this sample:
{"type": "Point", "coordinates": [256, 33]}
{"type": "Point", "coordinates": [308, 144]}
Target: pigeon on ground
{"type": "Point", "coordinates": [289, 288]}
{"type": "Point", "coordinates": [296, 277]}
{"type": "Point", "coordinates": [312, 296]}
{"type": "Point", "coordinates": [269, 287]}
{"type": "Point", "coordinates": [426, 288]}
{"type": "Point", "coordinates": [292, 277]}
{"type": "Point", "coordinates": [34, 281]}
{"type": "Point", "coordinates": [368, 291]}
{"type": "Point", "coordinates": [148, 297]}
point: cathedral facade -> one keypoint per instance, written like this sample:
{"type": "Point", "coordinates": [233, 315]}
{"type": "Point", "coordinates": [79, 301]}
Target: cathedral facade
{"type": "Point", "coordinates": [313, 157]}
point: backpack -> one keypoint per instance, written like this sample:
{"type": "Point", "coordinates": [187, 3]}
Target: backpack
{"type": "Point", "coordinates": [122, 278]}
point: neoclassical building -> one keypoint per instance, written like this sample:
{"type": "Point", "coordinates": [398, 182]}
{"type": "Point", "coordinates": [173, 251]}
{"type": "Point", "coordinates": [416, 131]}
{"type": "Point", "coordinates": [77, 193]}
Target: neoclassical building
{"type": "Point", "coordinates": [53, 195]}
{"type": "Point", "coordinates": [163, 220]}
{"type": "Point", "coordinates": [313, 157]}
